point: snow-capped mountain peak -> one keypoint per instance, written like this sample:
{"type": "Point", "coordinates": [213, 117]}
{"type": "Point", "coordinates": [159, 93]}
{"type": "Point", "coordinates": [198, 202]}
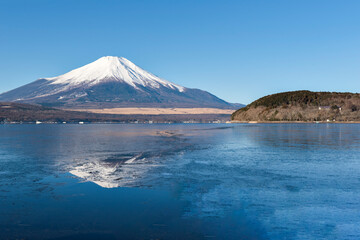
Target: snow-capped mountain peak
{"type": "Point", "coordinates": [111, 82]}
{"type": "Point", "coordinates": [110, 69]}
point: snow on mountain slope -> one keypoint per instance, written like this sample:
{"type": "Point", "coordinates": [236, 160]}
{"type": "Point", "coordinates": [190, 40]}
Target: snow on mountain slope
{"type": "Point", "coordinates": [114, 69]}
{"type": "Point", "coordinates": [111, 82]}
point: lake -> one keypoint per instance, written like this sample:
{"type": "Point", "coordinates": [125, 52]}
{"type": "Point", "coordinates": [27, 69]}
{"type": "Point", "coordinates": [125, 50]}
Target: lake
{"type": "Point", "coordinates": [180, 181]}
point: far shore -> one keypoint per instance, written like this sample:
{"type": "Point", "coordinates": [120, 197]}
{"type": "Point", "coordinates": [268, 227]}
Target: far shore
{"type": "Point", "coordinates": [254, 122]}
{"type": "Point", "coordinates": [155, 111]}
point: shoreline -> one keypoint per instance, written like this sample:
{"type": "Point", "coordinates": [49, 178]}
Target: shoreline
{"type": "Point", "coordinates": [153, 111]}
{"type": "Point", "coordinates": [308, 122]}
{"type": "Point", "coordinates": [171, 122]}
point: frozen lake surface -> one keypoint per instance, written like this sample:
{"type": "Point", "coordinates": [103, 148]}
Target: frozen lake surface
{"type": "Point", "coordinates": [180, 181]}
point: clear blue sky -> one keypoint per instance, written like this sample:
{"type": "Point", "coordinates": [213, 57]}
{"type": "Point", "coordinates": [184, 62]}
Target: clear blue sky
{"type": "Point", "coordinates": [237, 50]}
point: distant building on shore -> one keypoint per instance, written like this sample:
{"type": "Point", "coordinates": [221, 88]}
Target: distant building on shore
{"type": "Point", "coordinates": [324, 107]}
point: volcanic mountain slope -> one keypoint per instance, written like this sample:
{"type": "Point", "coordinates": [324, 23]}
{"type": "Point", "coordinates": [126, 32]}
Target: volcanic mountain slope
{"type": "Point", "coordinates": [111, 82]}
{"type": "Point", "coordinates": [302, 106]}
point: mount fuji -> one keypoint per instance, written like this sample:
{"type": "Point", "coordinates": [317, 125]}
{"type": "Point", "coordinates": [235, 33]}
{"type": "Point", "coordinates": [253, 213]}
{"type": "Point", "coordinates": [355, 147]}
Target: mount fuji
{"type": "Point", "coordinates": [111, 82]}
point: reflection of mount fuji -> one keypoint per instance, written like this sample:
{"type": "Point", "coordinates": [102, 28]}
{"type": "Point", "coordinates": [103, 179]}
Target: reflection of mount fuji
{"type": "Point", "coordinates": [109, 174]}
{"type": "Point", "coordinates": [131, 168]}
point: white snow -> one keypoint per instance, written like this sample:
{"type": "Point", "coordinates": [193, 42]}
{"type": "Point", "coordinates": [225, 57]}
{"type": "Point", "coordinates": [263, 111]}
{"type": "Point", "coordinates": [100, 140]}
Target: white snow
{"type": "Point", "coordinates": [112, 69]}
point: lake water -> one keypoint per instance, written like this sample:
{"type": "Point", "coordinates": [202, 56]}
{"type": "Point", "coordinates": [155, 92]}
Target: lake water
{"type": "Point", "coordinates": [180, 181]}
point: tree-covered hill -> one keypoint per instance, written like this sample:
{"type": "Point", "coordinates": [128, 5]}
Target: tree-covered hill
{"type": "Point", "coordinates": [302, 106]}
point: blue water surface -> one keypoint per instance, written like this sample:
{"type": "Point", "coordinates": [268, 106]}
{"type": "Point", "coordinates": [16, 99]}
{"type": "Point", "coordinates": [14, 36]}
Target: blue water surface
{"type": "Point", "coordinates": [180, 181]}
